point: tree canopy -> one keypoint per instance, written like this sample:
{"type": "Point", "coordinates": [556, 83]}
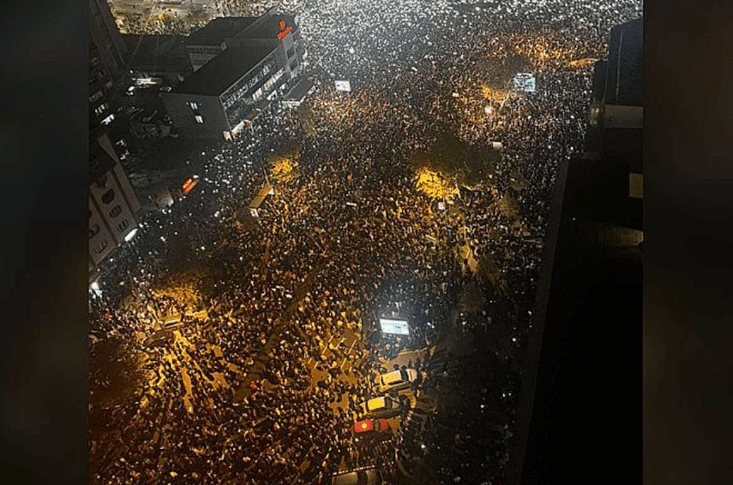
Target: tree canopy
{"type": "Point", "coordinates": [435, 185]}
{"type": "Point", "coordinates": [454, 159]}
{"type": "Point", "coordinates": [285, 167]}
{"type": "Point", "coordinates": [509, 207]}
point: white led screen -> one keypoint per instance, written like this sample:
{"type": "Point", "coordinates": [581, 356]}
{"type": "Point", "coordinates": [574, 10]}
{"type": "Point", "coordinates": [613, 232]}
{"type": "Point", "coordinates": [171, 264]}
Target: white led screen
{"type": "Point", "coordinates": [398, 327]}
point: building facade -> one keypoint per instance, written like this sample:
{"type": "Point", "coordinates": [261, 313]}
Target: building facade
{"type": "Point", "coordinates": [113, 204]}
{"type": "Point", "coordinates": [241, 66]}
{"type": "Point", "coordinates": [105, 38]}
{"type": "Point", "coordinates": [615, 137]}
{"type": "Point", "coordinates": [107, 57]}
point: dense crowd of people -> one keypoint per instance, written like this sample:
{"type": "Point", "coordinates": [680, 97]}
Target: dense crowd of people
{"type": "Point", "coordinates": [231, 398]}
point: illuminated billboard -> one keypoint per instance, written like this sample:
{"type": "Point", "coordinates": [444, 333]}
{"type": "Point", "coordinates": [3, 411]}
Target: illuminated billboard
{"type": "Point", "coordinates": [189, 184]}
{"type": "Point", "coordinates": [525, 82]}
{"type": "Point", "coordinates": [391, 325]}
{"type": "Point", "coordinates": [343, 86]}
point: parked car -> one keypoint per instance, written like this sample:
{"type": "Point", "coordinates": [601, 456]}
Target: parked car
{"type": "Point", "coordinates": [369, 476]}
{"type": "Point", "coordinates": [397, 380]}
{"type": "Point", "coordinates": [381, 407]}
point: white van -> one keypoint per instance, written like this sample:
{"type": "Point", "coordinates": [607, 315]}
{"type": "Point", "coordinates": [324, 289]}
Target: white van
{"type": "Point", "coordinates": [370, 476]}
{"type": "Point", "coordinates": [396, 380]}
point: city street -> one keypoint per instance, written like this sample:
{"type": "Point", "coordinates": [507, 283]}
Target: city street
{"type": "Point", "coordinates": [389, 202]}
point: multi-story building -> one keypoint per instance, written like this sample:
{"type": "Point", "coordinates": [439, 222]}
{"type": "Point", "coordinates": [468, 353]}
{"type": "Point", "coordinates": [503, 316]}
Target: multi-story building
{"type": "Point", "coordinates": [112, 202]}
{"type": "Point", "coordinates": [241, 65]}
{"type": "Point", "coordinates": [221, 33]}
{"type": "Point", "coordinates": [591, 271]}
{"type": "Point", "coordinates": [107, 57]}
{"type": "Point", "coordinates": [157, 59]}
{"type": "Point", "coordinates": [614, 140]}
{"type": "Point", "coordinates": [210, 40]}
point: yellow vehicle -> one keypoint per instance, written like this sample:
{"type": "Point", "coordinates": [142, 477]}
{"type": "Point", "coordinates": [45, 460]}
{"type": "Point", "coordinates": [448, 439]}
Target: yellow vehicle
{"type": "Point", "coordinates": [381, 407]}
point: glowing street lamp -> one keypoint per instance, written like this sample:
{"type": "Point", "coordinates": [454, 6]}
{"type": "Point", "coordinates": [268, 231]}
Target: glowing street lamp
{"type": "Point", "coordinates": [130, 235]}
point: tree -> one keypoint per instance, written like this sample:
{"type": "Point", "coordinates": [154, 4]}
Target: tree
{"type": "Point", "coordinates": [494, 95]}
{"type": "Point", "coordinates": [285, 168]}
{"type": "Point", "coordinates": [305, 115]}
{"type": "Point", "coordinates": [490, 271]}
{"type": "Point", "coordinates": [471, 298]}
{"type": "Point", "coordinates": [509, 207]}
{"type": "Point", "coordinates": [184, 287]}
{"type": "Point", "coordinates": [435, 185]}
{"type": "Point", "coordinates": [517, 181]}
{"type": "Point", "coordinates": [581, 63]}
{"type": "Point", "coordinates": [453, 158]}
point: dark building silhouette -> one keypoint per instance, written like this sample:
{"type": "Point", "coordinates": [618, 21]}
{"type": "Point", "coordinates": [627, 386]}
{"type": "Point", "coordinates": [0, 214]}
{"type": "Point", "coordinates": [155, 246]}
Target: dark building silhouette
{"type": "Point", "coordinates": [579, 399]}
{"type": "Point", "coordinates": [614, 141]}
{"type": "Point", "coordinates": [107, 57]}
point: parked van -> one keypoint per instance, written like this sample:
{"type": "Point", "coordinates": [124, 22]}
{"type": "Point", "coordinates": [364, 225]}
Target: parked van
{"type": "Point", "coordinates": [369, 476]}
{"type": "Point", "coordinates": [396, 380]}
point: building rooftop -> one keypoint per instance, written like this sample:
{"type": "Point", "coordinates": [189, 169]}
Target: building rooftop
{"type": "Point", "coordinates": [224, 70]}
{"type": "Point", "coordinates": [157, 52]}
{"type": "Point", "coordinates": [269, 28]}
{"type": "Point", "coordinates": [219, 29]}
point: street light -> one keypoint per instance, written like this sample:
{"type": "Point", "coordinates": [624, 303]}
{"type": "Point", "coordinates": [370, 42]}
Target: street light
{"type": "Point", "coordinates": [130, 235]}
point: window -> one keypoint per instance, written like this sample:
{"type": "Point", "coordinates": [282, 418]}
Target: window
{"type": "Point", "coordinates": [102, 182]}
{"type": "Point", "coordinates": [108, 196]}
{"type": "Point", "coordinates": [101, 246]}
{"type": "Point", "coordinates": [194, 105]}
{"type": "Point", "coordinates": [93, 231]}
{"type": "Point", "coordinates": [96, 96]}
{"type": "Point", "coordinates": [101, 109]}
{"type": "Point", "coordinates": [116, 211]}
{"type": "Point", "coordinates": [199, 119]}
{"type": "Point", "coordinates": [123, 225]}
{"type": "Point", "coordinates": [293, 65]}
{"type": "Point", "coordinates": [291, 52]}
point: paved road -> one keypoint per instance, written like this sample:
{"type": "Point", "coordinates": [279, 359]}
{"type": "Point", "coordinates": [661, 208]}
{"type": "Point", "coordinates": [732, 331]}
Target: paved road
{"type": "Point", "coordinates": [263, 357]}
